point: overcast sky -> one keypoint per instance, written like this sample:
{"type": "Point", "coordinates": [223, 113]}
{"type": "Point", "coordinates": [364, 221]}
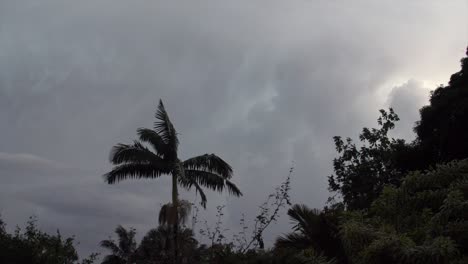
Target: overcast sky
{"type": "Point", "coordinates": [260, 83]}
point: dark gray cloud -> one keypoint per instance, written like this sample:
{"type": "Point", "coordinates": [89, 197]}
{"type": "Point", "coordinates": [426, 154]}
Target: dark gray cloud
{"type": "Point", "coordinates": [262, 84]}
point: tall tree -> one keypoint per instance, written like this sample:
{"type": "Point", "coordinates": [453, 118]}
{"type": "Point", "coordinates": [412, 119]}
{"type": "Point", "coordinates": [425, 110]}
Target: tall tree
{"type": "Point", "coordinates": [137, 161]}
{"type": "Point", "coordinates": [442, 130]}
{"type": "Point", "coordinates": [361, 173]}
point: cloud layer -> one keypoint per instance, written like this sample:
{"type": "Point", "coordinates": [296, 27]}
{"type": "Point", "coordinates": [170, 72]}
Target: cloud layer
{"type": "Point", "coordinates": [262, 84]}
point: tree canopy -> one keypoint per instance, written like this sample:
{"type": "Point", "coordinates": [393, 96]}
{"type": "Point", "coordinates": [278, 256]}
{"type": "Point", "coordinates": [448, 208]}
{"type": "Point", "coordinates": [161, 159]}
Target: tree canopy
{"type": "Point", "coordinates": [33, 246]}
{"type": "Point", "coordinates": [442, 130]}
{"type": "Point", "coordinates": [362, 171]}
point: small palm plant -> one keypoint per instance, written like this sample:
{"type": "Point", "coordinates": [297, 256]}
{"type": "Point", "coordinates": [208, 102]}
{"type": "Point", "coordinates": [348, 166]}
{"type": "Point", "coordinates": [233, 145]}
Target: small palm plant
{"type": "Point", "coordinates": [123, 251]}
{"type": "Point", "coordinates": [307, 228]}
{"type": "Point", "coordinates": [137, 161]}
{"type": "Point", "coordinates": [315, 234]}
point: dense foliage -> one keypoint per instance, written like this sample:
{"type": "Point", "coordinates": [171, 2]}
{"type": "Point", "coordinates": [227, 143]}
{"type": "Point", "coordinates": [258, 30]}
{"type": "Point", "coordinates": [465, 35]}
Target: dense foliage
{"type": "Point", "coordinates": [441, 136]}
{"type": "Point", "coordinates": [442, 130]}
{"type": "Point", "coordinates": [33, 246]}
{"type": "Point", "coordinates": [155, 247]}
{"type": "Point", "coordinates": [313, 230]}
{"type": "Point", "coordinates": [425, 220]}
{"type": "Point", "coordinates": [362, 172]}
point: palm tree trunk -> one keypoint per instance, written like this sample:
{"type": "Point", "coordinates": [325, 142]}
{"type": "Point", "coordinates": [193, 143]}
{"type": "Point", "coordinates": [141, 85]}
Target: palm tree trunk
{"type": "Point", "coordinates": [175, 203]}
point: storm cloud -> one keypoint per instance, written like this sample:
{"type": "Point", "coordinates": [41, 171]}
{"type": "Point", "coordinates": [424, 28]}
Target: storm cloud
{"type": "Point", "coordinates": [264, 84]}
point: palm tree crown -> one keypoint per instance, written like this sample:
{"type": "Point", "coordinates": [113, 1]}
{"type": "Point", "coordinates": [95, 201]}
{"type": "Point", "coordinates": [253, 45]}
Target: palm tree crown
{"type": "Point", "coordinates": [137, 161]}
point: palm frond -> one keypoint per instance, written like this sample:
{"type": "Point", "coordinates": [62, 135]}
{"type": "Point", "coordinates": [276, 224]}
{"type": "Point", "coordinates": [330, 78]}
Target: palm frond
{"type": "Point", "coordinates": [150, 136]}
{"type": "Point", "coordinates": [187, 183]}
{"type": "Point", "coordinates": [111, 246]}
{"type": "Point", "coordinates": [135, 171]}
{"type": "Point", "coordinates": [202, 194]}
{"type": "Point", "coordinates": [212, 181]}
{"type": "Point", "coordinates": [127, 243]}
{"type": "Point", "coordinates": [167, 213]}
{"type": "Point", "coordinates": [136, 153]}
{"type": "Point", "coordinates": [305, 219]}
{"type": "Point", "coordinates": [206, 179]}
{"type": "Point", "coordinates": [307, 228]}
{"type": "Point", "coordinates": [233, 189]}
{"type": "Point", "coordinates": [209, 163]}
{"type": "Point", "coordinates": [165, 128]}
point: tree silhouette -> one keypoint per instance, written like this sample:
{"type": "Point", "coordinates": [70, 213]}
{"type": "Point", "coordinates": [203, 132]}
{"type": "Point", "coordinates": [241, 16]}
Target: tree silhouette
{"type": "Point", "coordinates": [313, 230]}
{"type": "Point", "coordinates": [425, 220]}
{"type": "Point", "coordinates": [33, 246]}
{"type": "Point", "coordinates": [123, 252]}
{"type": "Point", "coordinates": [442, 130]}
{"type": "Point", "coordinates": [136, 161]}
{"type": "Point", "coordinates": [362, 172]}
{"type": "Point", "coordinates": [155, 246]}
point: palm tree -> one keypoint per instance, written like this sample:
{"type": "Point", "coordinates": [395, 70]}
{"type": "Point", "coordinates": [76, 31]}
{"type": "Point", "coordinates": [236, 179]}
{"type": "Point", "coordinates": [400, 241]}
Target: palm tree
{"type": "Point", "coordinates": [136, 161]}
{"type": "Point", "coordinates": [123, 252]}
